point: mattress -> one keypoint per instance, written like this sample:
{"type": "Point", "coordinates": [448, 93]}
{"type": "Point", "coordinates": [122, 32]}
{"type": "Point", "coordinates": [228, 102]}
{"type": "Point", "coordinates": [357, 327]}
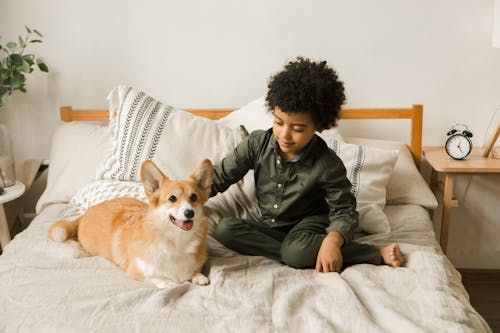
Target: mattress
{"type": "Point", "coordinates": [55, 287]}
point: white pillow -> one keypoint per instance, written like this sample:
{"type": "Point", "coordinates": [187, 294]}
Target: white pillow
{"type": "Point", "coordinates": [77, 149]}
{"type": "Point", "coordinates": [369, 170]}
{"type": "Point", "coordinates": [255, 116]}
{"type": "Point", "coordinates": [177, 141]}
{"type": "Point", "coordinates": [406, 185]}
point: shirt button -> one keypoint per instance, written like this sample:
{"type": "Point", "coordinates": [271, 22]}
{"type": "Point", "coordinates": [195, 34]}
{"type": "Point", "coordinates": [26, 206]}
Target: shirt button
{"type": "Point", "coordinates": [275, 206]}
{"type": "Point", "coordinates": [279, 185]}
{"type": "Point", "coordinates": [273, 220]}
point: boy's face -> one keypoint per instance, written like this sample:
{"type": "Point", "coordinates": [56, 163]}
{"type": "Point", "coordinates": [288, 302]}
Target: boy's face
{"type": "Point", "coordinates": [292, 131]}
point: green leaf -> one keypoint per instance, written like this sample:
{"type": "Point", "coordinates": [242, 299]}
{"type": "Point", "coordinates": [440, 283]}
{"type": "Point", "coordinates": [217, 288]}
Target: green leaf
{"type": "Point", "coordinates": [17, 82]}
{"type": "Point", "coordinates": [4, 95]}
{"type": "Point", "coordinates": [11, 45]}
{"type": "Point", "coordinates": [25, 68]}
{"type": "Point", "coordinates": [37, 32]}
{"type": "Point", "coordinates": [16, 59]}
{"type": "Point", "coordinates": [28, 29]}
{"type": "Point", "coordinates": [17, 75]}
{"type": "Point", "coordinates": [21, 41]}
{"type": "Point", "coordinates": [29, 58]}
{"type": "Point", "coordinates": [42, 67]}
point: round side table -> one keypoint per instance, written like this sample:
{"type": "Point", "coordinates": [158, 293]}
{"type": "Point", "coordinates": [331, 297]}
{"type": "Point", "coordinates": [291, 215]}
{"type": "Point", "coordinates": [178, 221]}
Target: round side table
{"type": "Point", "coordinates": [11, 193]}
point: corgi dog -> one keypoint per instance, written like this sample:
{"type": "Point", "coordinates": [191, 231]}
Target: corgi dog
{"type": "Point", "coordinates": [163, 242]}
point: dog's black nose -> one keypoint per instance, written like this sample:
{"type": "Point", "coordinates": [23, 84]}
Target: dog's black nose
{"type": "Point", "coordinates": [189, 213]}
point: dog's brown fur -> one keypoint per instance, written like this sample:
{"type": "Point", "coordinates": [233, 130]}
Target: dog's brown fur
{"type": "Point", "coordinates": [160, 242]}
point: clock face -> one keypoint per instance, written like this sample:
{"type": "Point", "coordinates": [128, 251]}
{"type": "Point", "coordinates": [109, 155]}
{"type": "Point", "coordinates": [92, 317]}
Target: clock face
{"type": "Point", "coordinates": [458, 146]}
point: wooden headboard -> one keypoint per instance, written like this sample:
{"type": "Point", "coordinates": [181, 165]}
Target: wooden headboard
{"type": "Point", "coordinates": [414, 114]}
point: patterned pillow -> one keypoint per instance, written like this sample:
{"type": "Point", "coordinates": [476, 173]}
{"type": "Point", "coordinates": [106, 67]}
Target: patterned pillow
{"type": "Point", "coordinates": [369, 170]}
{"type": "Point", "coordinates": [101, 190]}
{"type": "Point", "coordinates": [143, 128]}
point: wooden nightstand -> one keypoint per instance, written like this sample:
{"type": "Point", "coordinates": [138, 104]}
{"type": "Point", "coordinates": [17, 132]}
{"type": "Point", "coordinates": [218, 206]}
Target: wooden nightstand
{"type": "Point", "coordinates": [11, 193]}
{"type": "Point", "coordinates": [442, 163]}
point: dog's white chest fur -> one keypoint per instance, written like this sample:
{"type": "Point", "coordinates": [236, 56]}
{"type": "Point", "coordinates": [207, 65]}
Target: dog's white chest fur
{"type": "Point", "coordinates": [173, 258]}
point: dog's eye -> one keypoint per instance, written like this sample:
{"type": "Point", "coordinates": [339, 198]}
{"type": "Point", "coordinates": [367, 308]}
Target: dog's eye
{"type": "Point", "coordinates": [193, 197]}
{"type": "Point", "coordinates": [172, 198]}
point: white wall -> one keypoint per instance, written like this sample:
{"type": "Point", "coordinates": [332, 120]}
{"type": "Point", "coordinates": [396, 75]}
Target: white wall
{"type": "Point", "coordinates": [220, 53]}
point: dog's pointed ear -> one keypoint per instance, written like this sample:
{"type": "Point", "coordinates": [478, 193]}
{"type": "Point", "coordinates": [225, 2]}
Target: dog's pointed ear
{"type": "Point", "coordinates": [152, 178]}
{"type": "Point", "coordinates": [204, 175]}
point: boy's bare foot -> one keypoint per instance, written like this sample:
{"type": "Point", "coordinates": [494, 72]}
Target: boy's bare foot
{"type": "Point", "coordinates": [391, 255]}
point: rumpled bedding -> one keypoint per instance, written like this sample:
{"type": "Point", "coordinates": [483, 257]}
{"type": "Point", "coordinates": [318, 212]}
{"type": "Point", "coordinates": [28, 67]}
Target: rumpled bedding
{"type": "Point", "coordinates": [55, 287]}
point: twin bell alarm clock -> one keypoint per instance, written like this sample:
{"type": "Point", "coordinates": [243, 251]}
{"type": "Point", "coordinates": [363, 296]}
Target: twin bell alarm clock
{"type": "Point", "coordinates": [458, 144]}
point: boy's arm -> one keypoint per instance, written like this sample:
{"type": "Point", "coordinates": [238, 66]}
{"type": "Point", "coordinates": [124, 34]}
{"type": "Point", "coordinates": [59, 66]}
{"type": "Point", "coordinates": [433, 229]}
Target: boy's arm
{"type": "Point", "coordinates": [343, 219]}
{"type": "Point", "coordinates": [342, 203]}
{"type": "Point", "coordinates": [234, 166]}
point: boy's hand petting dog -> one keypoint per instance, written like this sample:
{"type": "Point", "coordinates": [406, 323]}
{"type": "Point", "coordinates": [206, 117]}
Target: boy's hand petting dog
{"type": "Point", "coordinates": [329, 257]}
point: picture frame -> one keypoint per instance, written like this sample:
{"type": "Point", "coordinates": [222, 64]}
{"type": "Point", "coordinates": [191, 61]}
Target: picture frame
{"type": "Point", "coordinates": [492, 134]}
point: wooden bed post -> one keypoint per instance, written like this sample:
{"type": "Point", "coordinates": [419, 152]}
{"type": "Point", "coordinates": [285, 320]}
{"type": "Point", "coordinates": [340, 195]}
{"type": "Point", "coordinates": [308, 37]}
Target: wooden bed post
{"type": "Point", "coordinates": [416, 133]}
{"type": "Point", "coordinates": [66, 113]}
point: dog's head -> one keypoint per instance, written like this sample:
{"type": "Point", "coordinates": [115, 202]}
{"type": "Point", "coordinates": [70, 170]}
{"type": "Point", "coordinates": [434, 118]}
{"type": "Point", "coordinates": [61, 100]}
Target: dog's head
{"type": "Point", "coordinates": [179, 202]}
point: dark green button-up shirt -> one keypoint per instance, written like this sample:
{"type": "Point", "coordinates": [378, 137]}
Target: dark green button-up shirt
{"type": "Point", "coordinates": [288, 191]}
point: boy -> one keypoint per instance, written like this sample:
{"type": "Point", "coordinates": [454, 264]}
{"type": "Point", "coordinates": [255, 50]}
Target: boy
{"type": "Point", "coordinates": [308, 212]}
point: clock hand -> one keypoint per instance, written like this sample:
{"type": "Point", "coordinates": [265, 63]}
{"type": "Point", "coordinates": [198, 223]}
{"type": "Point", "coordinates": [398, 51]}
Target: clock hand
{"type": "Point", "coordinates": [460, 149]}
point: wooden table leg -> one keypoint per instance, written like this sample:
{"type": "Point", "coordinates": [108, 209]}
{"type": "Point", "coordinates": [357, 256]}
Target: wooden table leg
{"type": "Point", "coordinates": [4, 228]}
{"type": "Point", "coordinates": [448, 203]}
{"type": "Point", "coordinates": [434, 185]}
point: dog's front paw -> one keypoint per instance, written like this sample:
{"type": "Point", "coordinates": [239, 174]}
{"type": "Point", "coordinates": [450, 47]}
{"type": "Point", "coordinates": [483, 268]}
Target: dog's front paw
{"type": "Point", "coordinates": [200, 279]}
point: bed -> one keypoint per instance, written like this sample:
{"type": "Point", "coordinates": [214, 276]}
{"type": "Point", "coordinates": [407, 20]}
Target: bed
{"type": "Point", "coordinates": [55, 287]}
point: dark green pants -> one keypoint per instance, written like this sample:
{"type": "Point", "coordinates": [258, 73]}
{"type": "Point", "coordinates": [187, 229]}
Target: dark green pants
{"type": "Point", "coordinates": [296, 246]}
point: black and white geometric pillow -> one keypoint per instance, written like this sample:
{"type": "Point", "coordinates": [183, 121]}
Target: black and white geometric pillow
{"type": "Point", "coordinates": [137, 127]}
{"type": "Point", "coordinates": [143, 128]}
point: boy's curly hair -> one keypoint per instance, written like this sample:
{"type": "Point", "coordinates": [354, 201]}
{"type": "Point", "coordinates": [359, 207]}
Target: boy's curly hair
{"type": "Point", "coordinates": [307, 86]}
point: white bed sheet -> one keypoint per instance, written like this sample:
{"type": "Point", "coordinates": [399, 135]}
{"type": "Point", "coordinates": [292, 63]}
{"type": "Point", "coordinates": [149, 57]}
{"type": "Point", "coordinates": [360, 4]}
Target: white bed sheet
{"type": "Point", "coordinates": [51, 287]}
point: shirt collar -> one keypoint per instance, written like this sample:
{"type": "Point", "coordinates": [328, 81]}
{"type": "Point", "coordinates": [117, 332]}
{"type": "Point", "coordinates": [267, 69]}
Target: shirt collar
{"type": "Point", "coordinates": [277, 151]}
{"type": "Point", "coordinates": [305, 157]}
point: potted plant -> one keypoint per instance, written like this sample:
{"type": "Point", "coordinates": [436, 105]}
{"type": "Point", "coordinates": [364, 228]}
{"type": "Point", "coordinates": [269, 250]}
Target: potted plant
{"type": "Point", "coordinates": [15, 65]}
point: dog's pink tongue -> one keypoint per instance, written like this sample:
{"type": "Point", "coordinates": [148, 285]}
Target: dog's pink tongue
{"type": "Point", "coordinates": [187, 225]}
